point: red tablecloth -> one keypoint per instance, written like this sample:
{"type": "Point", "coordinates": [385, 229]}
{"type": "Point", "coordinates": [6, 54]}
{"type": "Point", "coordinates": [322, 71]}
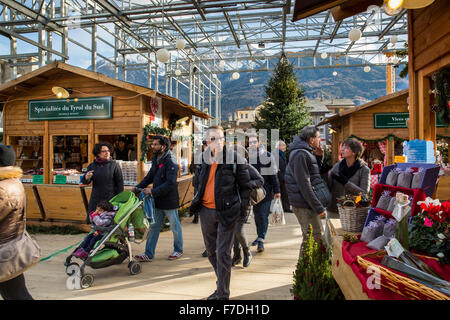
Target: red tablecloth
{"type": "Point", "coordinates": [351, 251]}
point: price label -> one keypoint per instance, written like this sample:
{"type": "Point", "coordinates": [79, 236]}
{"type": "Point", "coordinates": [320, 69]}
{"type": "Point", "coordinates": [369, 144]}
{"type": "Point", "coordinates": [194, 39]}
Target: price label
{"type": "Point", "coordinates": [38, 179]}
{"type": "Point", "coordinates": [399, 159]}
{"type": "Point", "coordinates": [60, 179]}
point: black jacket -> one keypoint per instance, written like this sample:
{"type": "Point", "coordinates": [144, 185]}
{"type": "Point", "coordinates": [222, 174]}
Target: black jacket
{"type": "Point", "coordinates": [231, 190]}
{"type": "Point", "coordinates": [268, 171]}
{"type": "Point", "coordinates": [306, 166]}
{"type": "Point", "coordinates": [107, 182]}
{"type": "Point", "coordinates": [163, 175]}
{"type": "Point", "coordinates": [282, 163]}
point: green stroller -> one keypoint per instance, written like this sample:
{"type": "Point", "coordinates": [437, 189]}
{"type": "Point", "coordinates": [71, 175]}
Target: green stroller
{"type": "Point", "coordinates": [114, 247]}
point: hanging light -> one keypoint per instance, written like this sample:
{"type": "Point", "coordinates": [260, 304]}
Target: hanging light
{"type": "Point", "coordinates": [180, 44]}
{"type": "Point", "coordinates": [354, 34]}
{"type": "Point", "coordinates": [235, 75]}
{"type": "Point", "coordinates": [366, 69]}
{"type": "Point", "coordinates": [395, 60]}
{"type": "Point", "coordinates": [391, 11]}
{"type": "Point", "coordinates": [323, 55]}
{"type": "Point", "coordinates": [393, 39]}
{"type": "Point", "coordinates": [162, 55]}
{"type": "Point", "coordinates": [416, 4]}
{"type": "Point", "coordinates": [394, 4]}
{"type": "Point", "coordinates": [222, 63]}
{"type": "Point", "coordinates": [61, 92]}
{"type": "Point", "coordinates": [334, 73]}
{"type": "Point", "coordinates": [177, 72]}
{"type": "Point", "coordinates": [251, 80]}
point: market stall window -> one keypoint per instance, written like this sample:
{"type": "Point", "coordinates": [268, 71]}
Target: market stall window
{"type": "Point", "coordinates": [70, 156]}
{"type": "Point", "coordinates": [29, 152]}
{"type": "Point", "coordinates": [125, 153]}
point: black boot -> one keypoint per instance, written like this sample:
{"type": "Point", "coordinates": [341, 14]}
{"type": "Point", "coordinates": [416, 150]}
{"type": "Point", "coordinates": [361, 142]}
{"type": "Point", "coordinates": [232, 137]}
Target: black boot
{"type": "Point", "coordinates": [236, 258]}
{"type": "Point", "coordinates": [247, 257]}
{"type": "Point", "coordinates": [195, 220]}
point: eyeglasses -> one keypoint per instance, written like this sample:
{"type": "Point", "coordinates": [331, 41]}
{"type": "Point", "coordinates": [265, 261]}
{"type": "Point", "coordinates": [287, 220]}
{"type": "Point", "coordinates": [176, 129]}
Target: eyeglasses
{"type": "Point", "coordinates": [253, 142]}
{"type": "Point", "coordinates": [212, 139]}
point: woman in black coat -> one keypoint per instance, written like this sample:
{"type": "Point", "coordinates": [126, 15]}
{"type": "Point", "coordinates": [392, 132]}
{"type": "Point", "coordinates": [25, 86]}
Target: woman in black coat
{"type": "Point", "coordinates": [105, 175]}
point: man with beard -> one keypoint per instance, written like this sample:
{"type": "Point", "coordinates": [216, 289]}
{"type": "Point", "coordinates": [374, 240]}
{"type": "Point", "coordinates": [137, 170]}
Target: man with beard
{"type": "Point", "coordinates": [163, 175]}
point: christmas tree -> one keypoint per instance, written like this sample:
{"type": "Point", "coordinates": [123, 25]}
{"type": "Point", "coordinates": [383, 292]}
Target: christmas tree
{"type": "Point", "coordinates": [284, 108]}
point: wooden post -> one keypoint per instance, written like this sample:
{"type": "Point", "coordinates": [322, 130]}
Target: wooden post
{"type": "Point", "coordinates": [413, 125]}
{"type": "Point", "coordinates": [91, 141]}
{"type": "Point", "coordinates": [390, 148]}
{"type": "Point", "coordinates": [140, 135]}
{"type": "Point", "coordinates": [46, 154]}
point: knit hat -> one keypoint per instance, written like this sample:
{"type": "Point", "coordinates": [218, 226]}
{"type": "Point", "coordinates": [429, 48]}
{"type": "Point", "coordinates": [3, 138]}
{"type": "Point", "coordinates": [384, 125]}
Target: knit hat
{"type": "Point", "coordinates": [7, 156]}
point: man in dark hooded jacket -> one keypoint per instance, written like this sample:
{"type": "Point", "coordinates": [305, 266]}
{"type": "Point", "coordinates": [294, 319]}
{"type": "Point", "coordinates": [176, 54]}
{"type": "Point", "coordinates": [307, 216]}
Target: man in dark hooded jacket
{"type": "Point", "coordinates": [305, 167]}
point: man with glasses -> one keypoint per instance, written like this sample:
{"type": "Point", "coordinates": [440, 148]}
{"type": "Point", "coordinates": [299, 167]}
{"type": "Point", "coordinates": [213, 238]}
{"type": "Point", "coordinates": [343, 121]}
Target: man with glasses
{"type": "Point", "coordinates": [222, 192]}
{"type": "Point", "coordinates": [304, 168]}
{"type": "Point", "coordinates": [264, 162]}
{"type": "Point", "coordinates": [163, 174]}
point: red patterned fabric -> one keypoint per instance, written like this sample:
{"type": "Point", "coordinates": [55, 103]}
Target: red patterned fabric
{"type": "Point", "coordinates": [351, 251]}
{"type": "Point", "coordinates": [373, 180]}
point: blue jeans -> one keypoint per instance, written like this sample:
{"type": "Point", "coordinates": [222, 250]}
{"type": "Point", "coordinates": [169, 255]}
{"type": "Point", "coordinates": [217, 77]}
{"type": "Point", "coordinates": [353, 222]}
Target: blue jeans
{"type": "Point", "coordinates": [261, 212]}
{"type": "Point", "coordinates": [155, 229]}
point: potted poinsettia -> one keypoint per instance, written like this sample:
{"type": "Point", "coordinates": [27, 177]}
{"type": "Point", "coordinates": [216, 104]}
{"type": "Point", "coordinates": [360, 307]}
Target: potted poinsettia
{"type": "Point", "coordinates": [429, 230]}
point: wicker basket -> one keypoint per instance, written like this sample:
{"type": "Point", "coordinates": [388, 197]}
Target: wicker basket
{"type": "Point", "coordinates": [401, 285]}
{"type": "Point", "coordinates": [352, 218]}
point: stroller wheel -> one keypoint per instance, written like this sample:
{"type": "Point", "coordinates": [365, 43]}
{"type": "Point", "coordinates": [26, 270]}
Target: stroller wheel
{"type": "Point", "coordinates": [87, 280]}
{"type": "Point", "coordinates": [134, 267]}
{"type": "Point", "coordinates": [72, 268]}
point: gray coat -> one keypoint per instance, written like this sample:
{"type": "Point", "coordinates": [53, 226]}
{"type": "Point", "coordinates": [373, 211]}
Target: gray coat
{"type": "Point", "coordinates": [357, 184]}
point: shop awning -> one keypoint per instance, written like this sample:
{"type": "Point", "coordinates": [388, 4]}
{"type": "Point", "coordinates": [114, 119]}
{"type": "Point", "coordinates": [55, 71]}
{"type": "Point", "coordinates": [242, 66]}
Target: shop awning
{"type": "Point", "coordinates": [34, 78]}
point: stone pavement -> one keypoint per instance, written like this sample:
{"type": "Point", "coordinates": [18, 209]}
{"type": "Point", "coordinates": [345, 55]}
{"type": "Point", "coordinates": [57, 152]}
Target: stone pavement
{"type": "Point", "coordinates": [270, 275]}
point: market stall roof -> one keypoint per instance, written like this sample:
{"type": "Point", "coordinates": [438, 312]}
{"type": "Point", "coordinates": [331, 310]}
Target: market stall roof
{"type": "Point", "coordinates": [365, 106]}
{"type": "Point", "coordinates": [35, 78]}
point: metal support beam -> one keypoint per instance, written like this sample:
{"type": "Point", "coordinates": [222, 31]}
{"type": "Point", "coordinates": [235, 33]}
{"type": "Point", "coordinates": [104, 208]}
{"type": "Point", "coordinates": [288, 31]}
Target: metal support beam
{"type": "Point", "coordinates": [392, 23]}
{"type": "Point", "coordinates": [230, 24]}
{"type": "Point", "coordinates": [32, 14]}
{"type": "Point", "coordinates": [200, 10]}
{"type": "Point", "coordinates": [34, 43]}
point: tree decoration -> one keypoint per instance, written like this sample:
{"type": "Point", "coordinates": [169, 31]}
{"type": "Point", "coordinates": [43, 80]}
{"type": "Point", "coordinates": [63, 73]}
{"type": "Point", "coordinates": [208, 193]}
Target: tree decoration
{"type": "Point", "coordinates": [284, 107]}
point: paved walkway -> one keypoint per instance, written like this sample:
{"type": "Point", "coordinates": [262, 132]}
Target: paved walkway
{"type": "Point", "coordinates": [270, 275]}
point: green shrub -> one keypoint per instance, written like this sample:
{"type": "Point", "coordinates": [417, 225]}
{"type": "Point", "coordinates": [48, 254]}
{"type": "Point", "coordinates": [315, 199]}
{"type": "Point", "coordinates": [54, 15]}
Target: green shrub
{"type": "Point", "coordinates": [313, 279]}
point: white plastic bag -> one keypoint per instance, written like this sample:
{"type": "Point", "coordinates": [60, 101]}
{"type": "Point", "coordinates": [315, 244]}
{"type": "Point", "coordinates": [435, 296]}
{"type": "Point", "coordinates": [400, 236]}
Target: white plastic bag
{"type": "Point", "coordinates": [277, 216]}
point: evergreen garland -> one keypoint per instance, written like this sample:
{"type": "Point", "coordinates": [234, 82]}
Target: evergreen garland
{"type": "Point", "coordinates": [389, 136]}
{"type": "Point", "coordinates": [313, 279]}
{"type": "Point", "coordinates": [148, 131]}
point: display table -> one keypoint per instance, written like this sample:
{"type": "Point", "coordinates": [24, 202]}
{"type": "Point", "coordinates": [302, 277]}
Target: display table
{"type": "Point", "coordinates": [355, 281]}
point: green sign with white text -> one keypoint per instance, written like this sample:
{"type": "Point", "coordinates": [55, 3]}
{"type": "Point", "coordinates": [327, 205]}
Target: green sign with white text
{"type": "Point", "coordinates": [395, 120]}
{"type": "Point", "coordinates": [70, 109]}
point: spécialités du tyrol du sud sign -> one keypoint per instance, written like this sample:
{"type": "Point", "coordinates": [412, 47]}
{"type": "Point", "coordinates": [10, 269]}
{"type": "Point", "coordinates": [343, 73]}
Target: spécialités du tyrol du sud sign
{"type": "Point", "coordinates": [70, 109]}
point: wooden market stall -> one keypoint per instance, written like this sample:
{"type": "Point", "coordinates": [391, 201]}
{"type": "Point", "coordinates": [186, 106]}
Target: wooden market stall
{"type": "Point", "coordinates": [53, 137]}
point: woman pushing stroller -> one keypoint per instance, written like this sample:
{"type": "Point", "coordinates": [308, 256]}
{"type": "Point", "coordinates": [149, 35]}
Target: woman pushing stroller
{"type": "Point", "coordinates": [102, 216]}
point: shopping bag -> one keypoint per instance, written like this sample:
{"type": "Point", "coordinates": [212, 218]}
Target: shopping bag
{"type": "Point", "coordinates": [277, 216]}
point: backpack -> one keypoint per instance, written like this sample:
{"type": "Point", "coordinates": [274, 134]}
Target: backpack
{"type": "Point", "coordinates": [256, 194]}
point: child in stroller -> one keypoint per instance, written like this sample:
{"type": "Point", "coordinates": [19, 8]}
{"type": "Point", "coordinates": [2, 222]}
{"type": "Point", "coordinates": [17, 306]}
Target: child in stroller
{"type": "Point", "coordinates": [103, 216]}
